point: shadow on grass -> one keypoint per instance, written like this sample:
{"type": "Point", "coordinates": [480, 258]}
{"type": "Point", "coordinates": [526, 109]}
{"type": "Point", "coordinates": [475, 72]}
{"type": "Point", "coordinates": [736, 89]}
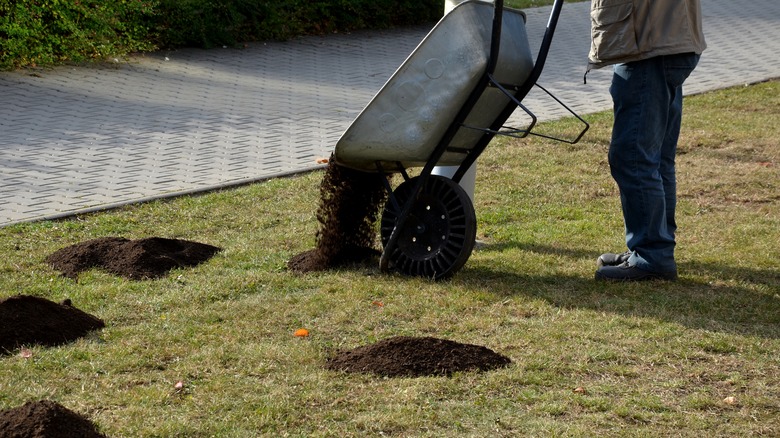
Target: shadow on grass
{"type": "Point", "coordinates": [708, 296]}
{"type": "Point", "coordinates": [572, 253]}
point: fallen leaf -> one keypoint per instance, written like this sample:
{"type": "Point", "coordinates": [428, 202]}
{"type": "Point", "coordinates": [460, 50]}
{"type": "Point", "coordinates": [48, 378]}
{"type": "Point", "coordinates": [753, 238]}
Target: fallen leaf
{"type": "Point", "coordinates": [378, 303]}
{"type": "Point", "coordinates": [25, 353]}
{"type": "Point", "coordinates": [322, 160]}
{"type": "Point", "coordinates": [301, 333]}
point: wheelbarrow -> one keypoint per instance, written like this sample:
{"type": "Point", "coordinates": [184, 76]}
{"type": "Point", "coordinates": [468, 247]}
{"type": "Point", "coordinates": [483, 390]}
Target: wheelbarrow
{"type": "Point", "coordinates": [443, 106]}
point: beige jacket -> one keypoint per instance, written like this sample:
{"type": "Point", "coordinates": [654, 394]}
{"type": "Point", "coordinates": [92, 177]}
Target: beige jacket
{"type": "Point", "coordinates": [632, 30]}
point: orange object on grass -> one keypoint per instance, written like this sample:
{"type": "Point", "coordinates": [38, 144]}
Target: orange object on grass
{"type": "Point", "coordinates": [301, 333]}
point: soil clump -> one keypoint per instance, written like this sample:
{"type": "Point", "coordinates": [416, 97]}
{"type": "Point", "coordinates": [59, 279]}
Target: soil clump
{"type": "Point", "coordinates": [45, 419]}
{"type": "Point", "coordinates": [140, 259]}
{"type": "Point", "coordinates": [406, 356]}
{"type": "Point", "coordinates": [348, 209]}
{"type": "Point", "coordinates": [28, 320]}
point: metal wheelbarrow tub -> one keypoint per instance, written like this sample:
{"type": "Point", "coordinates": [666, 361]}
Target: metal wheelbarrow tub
{"type": "Point", "coordinates": [408, 117]}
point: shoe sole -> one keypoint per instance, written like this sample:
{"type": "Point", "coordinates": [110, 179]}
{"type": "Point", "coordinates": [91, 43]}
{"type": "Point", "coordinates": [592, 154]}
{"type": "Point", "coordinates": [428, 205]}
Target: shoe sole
{"type": "Point", "coordinates": [648, 277]}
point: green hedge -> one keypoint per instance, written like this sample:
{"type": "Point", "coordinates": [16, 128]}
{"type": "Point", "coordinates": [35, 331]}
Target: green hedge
{"type": "Point", "coordinates": [47, 32]}
{"type": "Point", "coordinates": [208, 23]}
{"type": "Point", "coordinates": [44, 32]}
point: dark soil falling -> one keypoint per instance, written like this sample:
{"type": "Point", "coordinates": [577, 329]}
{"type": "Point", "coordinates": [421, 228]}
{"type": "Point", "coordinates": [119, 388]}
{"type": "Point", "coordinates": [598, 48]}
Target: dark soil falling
{"type": "Point", "coordinates": [28, 320]}
{"type": "Point", "coordinates": [138, 259]}
{"type": "Point", "coordinates": [406, 356]}
{"type": "Point", "coordinates": [45, 419]}
{"type": "Point", "coordinates": [349, 207]}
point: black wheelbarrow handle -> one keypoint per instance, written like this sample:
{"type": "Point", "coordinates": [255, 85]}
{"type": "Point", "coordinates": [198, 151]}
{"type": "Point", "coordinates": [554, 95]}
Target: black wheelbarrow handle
{"type": "Point", "coordinates": [544, 49]}
{"type": "Point", "coordinates": [521, 91]}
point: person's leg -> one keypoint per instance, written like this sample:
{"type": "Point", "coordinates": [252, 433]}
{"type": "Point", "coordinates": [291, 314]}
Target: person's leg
{"type": "Point", "coordinates": [648, 109]}
{"type": "Point", "coordinates": [678, 68]}
{"type": "Point", "coordinates": [668, 155]}
{"type": "Point", "coordinates": [641, 101]}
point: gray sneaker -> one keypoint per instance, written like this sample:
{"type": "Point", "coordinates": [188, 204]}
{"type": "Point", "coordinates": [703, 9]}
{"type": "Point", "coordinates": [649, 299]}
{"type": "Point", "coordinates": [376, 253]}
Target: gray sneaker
{"type": "Point", "coordinates": [612, 259]}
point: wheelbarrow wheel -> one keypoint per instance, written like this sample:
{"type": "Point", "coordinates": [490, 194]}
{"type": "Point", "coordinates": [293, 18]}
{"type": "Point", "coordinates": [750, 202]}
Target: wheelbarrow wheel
{"type": "Point", "coordinates": [439, 234]}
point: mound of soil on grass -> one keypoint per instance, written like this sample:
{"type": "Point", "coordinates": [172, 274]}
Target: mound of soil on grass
{"type": "Point", "coordinates": [45, 419]}
{"type": "Point", "coordinates": [348, 209]}
{"type": "Point", "coordinates": [406, 356]}
{"type": "Point", "coordinates": [27, 320]}
{"type": "Point", "coordinates": [140, 259]}
{"type": "Point", "coordinates": [313, 259]}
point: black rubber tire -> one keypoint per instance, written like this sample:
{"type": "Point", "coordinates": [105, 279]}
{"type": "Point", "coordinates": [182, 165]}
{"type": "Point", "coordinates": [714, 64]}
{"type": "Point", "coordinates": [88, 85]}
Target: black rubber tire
{"type": "Point", "coordinates": [439, 235]}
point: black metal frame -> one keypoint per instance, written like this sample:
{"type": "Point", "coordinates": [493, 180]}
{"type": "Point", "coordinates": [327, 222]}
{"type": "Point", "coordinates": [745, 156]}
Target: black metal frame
{"type": "Point", "coordinates": [515, 93]}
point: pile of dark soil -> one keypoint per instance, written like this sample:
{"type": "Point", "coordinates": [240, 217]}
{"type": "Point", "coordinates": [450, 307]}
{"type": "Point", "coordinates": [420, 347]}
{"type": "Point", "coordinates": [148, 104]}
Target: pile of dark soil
{"type": "Point", "coordinates": [27, 320]}
{"type": "Point", "coordinates": [45, 419]}
{"type": "Point", "coordinates": [349, 207]}
{"type": "Point", "coordinates": [406, 356]}
{"type": "Point", "coordinates": [138, 259]}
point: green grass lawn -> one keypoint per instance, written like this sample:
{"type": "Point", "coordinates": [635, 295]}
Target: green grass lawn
{"type": "Point", "coordinates": [698, 357]}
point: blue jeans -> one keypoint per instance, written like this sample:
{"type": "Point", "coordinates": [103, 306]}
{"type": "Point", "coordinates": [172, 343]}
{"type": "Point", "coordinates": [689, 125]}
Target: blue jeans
{"type": "Point", "coordinates": [648, 99]}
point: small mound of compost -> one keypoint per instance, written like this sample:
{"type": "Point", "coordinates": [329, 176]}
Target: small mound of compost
{"type": "Point", "coordinates": [140, 259]}
{"type": "Point", "coordinates": [406, 356]}
{"type": "Point", "coordinates": [348, 209]}
{"type": "Point", "coordinates": [45, 419]}
{"type": "Point", "coordinates": [28, 320]}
